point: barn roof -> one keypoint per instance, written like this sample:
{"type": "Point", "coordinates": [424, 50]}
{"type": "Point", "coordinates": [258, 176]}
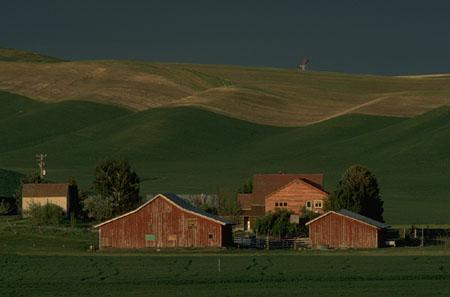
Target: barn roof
{"type": "Point", "coordinates": [180, 203]}
{"type": "Point", "coordinates": [45, 190]}
{"type": "Point", "coordinates": [186, 205]}
{"type": "Point", "coordinates": [355, 216]}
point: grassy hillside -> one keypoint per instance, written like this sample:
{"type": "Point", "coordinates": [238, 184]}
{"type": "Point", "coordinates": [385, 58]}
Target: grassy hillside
{"type": "Point", "coordinates": [191, 150]}
{"type": "Point", "coordinates": [15, 55]}
{"type": "Point", "coordinates": [9, 181]}
{"type": "Point", "coordinates": [280, 97]}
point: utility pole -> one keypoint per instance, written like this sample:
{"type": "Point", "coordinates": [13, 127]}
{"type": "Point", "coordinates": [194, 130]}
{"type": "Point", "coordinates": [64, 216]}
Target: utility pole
{"type": "Point", "coordinates": [40, 158]}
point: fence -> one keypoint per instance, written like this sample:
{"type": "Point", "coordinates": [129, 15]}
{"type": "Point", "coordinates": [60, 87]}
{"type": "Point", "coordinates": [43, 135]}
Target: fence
{"type": "Point", "coordinates": [270, 243]}
{"type": "Point", "coordinates": [420, 236]}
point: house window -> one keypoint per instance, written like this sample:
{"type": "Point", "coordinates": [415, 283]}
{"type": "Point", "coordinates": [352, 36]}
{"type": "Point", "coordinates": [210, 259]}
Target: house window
{"type": "Point", "coordinates": [285, 203]}
{"type": "Point", "coordinates": [308, 204]}
{"type": "Point", "coordinates": [210, 235]}
{"type": "Point", "coordinates": [317, 203]}
{"type": "Point", "coordinates": [276, 204]}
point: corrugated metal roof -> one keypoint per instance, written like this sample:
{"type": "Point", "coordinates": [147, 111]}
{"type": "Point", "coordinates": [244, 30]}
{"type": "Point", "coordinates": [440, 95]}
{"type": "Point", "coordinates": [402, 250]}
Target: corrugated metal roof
{"type": "Point", "coordinates": [45, 190]}
{"type": "Point", "coordinates": [355, 216]}
{"type": "Point", "coordinates": [362, 218]}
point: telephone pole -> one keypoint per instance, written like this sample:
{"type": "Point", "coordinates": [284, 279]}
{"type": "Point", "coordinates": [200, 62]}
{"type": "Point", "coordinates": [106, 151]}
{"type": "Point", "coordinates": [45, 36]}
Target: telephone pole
{"type": "Point", "coordinates": [40, 158]}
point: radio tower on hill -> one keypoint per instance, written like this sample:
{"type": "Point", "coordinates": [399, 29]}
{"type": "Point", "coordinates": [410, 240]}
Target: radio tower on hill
{"type": "Point", "coordinates": [40, 158]}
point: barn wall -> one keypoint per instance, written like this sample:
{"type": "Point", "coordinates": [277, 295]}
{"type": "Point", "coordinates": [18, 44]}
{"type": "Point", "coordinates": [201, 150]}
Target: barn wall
{"type": "Point", "coordinates": [295, 195]}
{"type": "Point", "coordinates": [338, 231]}
{"type": "Point", "coordinates": [161, 224]}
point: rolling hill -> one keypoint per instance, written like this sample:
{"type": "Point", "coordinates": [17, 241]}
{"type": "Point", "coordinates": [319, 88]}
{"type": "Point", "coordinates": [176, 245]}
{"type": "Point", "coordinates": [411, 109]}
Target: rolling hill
{"type": "Point", "coordinates": [16, 55]}
{"type": "Point", "coordinates": [279, 97]}
{"type": "Point", "coordinates": [187, 149]}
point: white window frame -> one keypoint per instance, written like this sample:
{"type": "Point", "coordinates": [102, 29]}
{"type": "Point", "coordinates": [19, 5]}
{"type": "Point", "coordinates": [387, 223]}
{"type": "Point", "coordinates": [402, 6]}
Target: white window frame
{"type": "Point", "coordinates": [318, 201]}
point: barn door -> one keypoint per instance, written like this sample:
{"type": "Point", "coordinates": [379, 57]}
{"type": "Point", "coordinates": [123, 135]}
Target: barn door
{"type": "Point", "coordinates": [191, 232]}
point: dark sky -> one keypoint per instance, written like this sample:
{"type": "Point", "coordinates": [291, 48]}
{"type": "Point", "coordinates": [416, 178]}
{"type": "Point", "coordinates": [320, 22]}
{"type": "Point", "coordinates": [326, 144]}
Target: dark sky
{"type": "Point", "coordinates": [385, 37]}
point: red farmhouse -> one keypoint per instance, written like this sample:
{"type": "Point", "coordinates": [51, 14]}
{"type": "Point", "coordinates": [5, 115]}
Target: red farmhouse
{"type": "Point", "coordinates": [166, 220]}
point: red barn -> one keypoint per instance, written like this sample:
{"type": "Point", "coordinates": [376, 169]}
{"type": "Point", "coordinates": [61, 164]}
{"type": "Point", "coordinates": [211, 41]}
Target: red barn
{"type": "Point", "coordinates": [166, 220]}
{"type": "Point", "coordinates": [346, 229]}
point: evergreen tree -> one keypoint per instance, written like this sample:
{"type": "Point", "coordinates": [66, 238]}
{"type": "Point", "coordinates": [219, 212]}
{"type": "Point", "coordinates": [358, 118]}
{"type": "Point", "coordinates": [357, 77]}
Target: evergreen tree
{"type": "Point", "coordinates": [358, 191]}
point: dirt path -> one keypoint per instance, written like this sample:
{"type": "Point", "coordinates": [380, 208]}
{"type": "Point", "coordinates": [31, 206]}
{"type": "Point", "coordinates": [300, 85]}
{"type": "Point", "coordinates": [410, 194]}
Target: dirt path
{"type": "Point", "coordinates": [349, 110]}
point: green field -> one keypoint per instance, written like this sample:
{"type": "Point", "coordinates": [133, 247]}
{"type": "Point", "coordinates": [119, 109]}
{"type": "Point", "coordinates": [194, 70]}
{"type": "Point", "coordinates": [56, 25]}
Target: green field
{"type": "Point", "coordinates": [190, 150]}
{"type": "Point", "coordinates": [55, 262]}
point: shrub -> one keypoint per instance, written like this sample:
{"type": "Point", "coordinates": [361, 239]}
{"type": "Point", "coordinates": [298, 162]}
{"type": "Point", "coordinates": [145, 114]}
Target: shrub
{"type": "Point", "coordinates": [276, 224]}
{"type": "Point", "coordinates": [5, 207]}
{"type": "Point", "coordinates": [98, 207]}
{"type": "Point", "coordinates": [47, 214]}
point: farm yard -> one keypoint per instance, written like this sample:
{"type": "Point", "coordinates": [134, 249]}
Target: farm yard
{"type": "Point", "coordinates": [54, 261]}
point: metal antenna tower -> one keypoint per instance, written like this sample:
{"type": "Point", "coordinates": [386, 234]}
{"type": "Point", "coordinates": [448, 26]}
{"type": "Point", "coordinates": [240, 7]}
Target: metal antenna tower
{"type": "Point", "coordinates": [40, 158]}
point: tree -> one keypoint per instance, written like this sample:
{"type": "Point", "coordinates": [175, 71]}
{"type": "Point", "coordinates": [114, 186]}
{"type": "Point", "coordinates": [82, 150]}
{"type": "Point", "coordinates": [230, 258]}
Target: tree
{"type": "Point", "coordinates": [228, 205]}
{"type": "Point", "coordinates": [357, 191]}
{"type": "Point", "coordinates": [116, 188]}
{"type": "Point", "coordinates": [246, 188]}
{"type": "Point", "coordinates": [276, 224]}
{"type": "Point", "coordinates": [5, 207]}
{"type": "Point", "coordinates": [98, 207]}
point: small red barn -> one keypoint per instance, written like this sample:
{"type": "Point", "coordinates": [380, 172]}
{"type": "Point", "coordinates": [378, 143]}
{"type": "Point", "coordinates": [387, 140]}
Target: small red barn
{"type": "Point", "coordinates": [346, 229]}
{"type": "Point", "coordinates": [164, 221]}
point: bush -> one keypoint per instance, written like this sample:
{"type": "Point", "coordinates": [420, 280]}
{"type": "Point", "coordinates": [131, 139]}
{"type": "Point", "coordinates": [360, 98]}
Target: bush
{"type": "Point", "coordinates": [98, 207]}
{"type": "Point", "coordinates": [276, 224]}
{"type": "Point", "coordinates": [47, 214]}
{"type": "Point", "coordinates": [5, 207]}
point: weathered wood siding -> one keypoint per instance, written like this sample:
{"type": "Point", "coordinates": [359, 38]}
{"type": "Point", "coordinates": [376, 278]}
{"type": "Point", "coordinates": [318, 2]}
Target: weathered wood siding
{"type": "Point", "coordinates": [338, 231]}
{"type": "Point", "coordinates": [161, 224]}
{"type": "Point", "coordinates": [296, 194]}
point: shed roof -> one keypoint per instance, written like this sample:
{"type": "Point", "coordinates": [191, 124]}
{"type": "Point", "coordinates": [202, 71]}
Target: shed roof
{"type": "Point", "coordinates": [45, 190]}
{"type": "Point", "coordinates": [355, 216]}
{"type": "Point", "coordinates": [180, 203]}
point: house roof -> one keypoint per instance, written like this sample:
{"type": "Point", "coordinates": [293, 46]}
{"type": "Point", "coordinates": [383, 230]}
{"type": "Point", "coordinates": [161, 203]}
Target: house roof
{"type": "Point", "coordinates": [178, 202]}
{"type": "Point", "coordinates": [245, 200]}
{"type": "Point", "coordinates": [302, 181]}
{"type": "Point", "coordinates": [45, 190]}
{"type": "Point", "coordinates": [355, 216]}
{"type": "Point", "coordinates": [264, 184]}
